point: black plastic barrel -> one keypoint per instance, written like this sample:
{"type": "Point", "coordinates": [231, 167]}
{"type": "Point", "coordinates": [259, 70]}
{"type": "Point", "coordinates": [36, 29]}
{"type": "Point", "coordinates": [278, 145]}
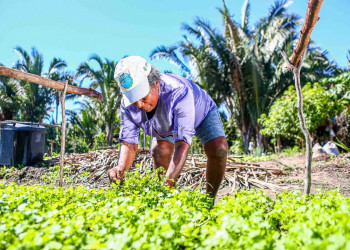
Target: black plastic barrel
{"type": "Point", "coordinates": [21, 143]}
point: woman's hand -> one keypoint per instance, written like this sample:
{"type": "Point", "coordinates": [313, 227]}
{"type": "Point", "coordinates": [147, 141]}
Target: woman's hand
{"type": "Point", "coordinates": [116, 173]}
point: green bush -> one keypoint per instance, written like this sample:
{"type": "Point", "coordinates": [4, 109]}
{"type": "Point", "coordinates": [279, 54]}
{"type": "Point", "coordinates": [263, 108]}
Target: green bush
{"type": "Point", "coordinates": [282, 120]}
{"type": "Point", "coordinates": [100, 141]}
{"type": "Point", "coordinates": [322, 101]}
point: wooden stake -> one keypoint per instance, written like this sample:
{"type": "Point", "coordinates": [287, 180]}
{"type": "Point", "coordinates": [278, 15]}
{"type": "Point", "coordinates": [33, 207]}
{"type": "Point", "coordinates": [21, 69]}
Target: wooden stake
{"type": "Point", "coordinates": [63, 136]}
{"type": "Point", "coordinates": [313, 9]}
{"type": "Point", "coordinates": [296, 72]}
{"type": "Point", "coordinates": [294, 65]}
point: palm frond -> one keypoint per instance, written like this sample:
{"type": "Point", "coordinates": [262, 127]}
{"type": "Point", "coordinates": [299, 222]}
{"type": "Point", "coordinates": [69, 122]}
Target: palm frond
{"type": "Point", "coordinates": [245, 15]}
{"type": "Point", "coordinates": [168, 53]}
{"type": "Point", "coordinates": [56, 64]}
{"type": "Point", "coordinates": [25, 61]}
{"type": "Point", "coordinates": [231, 30]}
{"type": "Point", "coordinates": [278, 8]}
{"type": "Point", "coordinates": [97, 59]}
{"type": "Point", "coordinates": [190, 30]}
{"type": "Point", "coordinates": [38, 62]}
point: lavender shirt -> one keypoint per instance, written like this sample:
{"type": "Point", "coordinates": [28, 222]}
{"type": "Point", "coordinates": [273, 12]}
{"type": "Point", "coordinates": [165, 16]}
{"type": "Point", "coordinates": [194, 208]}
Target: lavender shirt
{"type": "Point", "coordinates": [182, 106]}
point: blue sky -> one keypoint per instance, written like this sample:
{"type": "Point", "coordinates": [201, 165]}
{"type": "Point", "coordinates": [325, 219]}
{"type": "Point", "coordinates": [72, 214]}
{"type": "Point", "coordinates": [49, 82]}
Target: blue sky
{"type": "Point", "coordinates": [75, 29]}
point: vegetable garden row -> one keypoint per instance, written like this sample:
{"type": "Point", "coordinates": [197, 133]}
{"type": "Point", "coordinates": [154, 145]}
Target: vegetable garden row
{"type": "Point", "coordinates": [143, 213]}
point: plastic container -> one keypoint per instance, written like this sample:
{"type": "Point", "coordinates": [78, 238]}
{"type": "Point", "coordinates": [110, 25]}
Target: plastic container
{"type": "Point", "coordinates": [21, 143]}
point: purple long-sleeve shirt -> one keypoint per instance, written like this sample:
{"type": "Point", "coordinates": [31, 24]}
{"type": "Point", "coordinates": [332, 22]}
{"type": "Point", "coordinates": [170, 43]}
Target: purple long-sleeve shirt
{"type": "Point", "coordinates": [182, 106]}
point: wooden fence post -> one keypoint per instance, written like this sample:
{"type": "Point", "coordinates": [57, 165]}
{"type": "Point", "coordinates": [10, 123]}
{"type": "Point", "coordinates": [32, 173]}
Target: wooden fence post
{"type": "Point", "coordinates": [63, 135]}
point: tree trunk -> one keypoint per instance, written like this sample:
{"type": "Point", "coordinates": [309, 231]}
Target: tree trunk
{"type": "Point", "coordinates": [264, 141]}
{"type": "Point", "coordinates": [237, 83]}
{"type": "Point", "coordinates": [245, 139]}
{"type": "Point", "coordinates": [279, 144]}
{"type": "Point", "coordinates": [56, 121]}
{"type": "Point", "coordinates": [110, 129]}
{"type": "Point", "coordinates": [258, 137]}
{"type": "Point", "coordinates": [302, 143]}
{"type": "Point", "coordinates": [57, 104]}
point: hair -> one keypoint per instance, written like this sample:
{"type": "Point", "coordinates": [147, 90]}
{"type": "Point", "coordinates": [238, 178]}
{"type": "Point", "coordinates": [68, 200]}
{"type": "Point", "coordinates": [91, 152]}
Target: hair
{"type": "Point", "coordinates": [154, 76]}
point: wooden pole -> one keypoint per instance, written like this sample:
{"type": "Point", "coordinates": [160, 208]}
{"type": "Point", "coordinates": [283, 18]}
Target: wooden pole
{"type": "Point", "coordinates": [313, 9]}
{"type": "Point", "coordinates": [15, 73]}
{"type": "Point", "coordinates": [296, 73]}
{"type": "Point", "coordinates": [294, 65]}
{"type": "Point", "coordinates": [63, 136]}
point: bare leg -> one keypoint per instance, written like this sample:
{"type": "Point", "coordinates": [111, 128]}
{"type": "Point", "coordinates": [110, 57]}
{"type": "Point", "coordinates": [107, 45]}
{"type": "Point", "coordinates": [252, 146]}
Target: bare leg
{"type": "Point", "coordinates": [162, 152]}
{"type": "Point", "coordinates": [216, 151]}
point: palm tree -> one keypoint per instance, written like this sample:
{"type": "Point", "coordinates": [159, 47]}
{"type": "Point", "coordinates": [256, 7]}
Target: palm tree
{"type": "Point", "coordinates": [61, 77]}
{"type": "Point", "coordinates": [103, 80]}
{"type": "Point", "coordinates": [84, 124]}
{"type": "Point", "coordinates": [11, 96]}
{"type": "Point", "coordinates": [240, 66]}
{"type": "Point", "coordinates": [257, 58]}
{"type": "Point", "coordinates": [38, 98]}
{"type": "Point", "coordinates": [82, 127]}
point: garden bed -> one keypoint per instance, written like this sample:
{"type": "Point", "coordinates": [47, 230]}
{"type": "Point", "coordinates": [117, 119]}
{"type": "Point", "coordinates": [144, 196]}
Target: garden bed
{"type": "Point", "coordinates": [276, 173]}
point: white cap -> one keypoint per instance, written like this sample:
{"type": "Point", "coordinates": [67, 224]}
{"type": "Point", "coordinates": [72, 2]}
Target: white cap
{"type": "Point", "coordinates": [131, 75]}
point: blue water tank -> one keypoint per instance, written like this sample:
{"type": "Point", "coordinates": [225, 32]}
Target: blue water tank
{"type": "Point", "coordinates": [21, 143]}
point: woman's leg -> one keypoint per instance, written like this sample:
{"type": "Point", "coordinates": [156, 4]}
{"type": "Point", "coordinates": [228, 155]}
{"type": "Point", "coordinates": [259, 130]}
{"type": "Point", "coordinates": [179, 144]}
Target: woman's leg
{"type": "Point", "coordinates": [216, 151]}
{"type": "Point", "coordinates": [162, 152]}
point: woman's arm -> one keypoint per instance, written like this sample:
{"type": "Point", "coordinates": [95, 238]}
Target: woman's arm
{"type": "Point", "coordinates": [126, 158]}
{"type": "Point", "coordinates": [178, 161]}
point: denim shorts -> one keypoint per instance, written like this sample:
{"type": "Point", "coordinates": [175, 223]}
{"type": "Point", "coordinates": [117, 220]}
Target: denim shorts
{"type": "Point", "coordinates": [210, 128]}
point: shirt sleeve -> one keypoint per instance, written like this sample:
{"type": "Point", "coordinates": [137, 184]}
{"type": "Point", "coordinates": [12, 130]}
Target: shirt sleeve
{"type": "Point", "coordinates": [129, 131]}
{"type": "Point", "coordinates": [184, 115]}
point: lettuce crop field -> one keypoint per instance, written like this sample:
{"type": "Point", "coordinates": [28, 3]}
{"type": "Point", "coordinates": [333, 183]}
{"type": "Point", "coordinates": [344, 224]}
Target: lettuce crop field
{"type": "Point", "coordinates": [144, 214]}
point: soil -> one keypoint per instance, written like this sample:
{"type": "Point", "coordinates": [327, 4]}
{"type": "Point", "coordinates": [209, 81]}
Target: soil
{"type": "Point", "coordinates": [327, 174]}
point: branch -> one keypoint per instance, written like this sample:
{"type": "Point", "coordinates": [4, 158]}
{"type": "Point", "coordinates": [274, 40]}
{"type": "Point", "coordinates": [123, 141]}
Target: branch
{"type": "Point", "coordinates": [290, 66]}
{"type": "Point", "coordinates": [311, 19]}
{"type": "Point", "coordinates": [14, 73]}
